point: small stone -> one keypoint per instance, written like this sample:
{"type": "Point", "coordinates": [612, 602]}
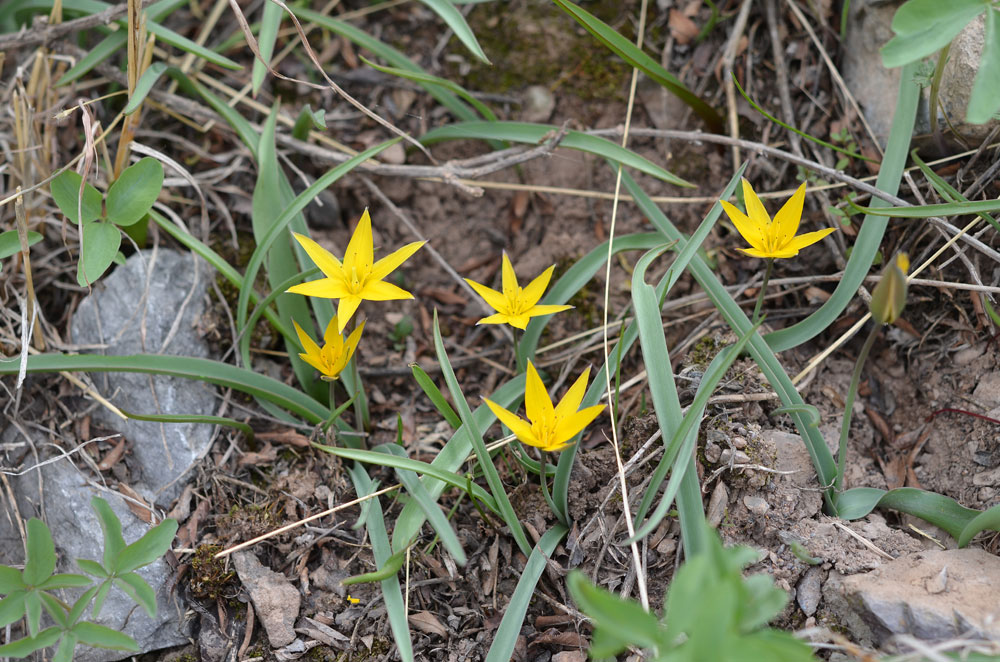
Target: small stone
{"type": "Point", "coordinates": [739, 442]}
{"type": "Point", "coordinates": [987, 478]}
{"type": "Point", "coordinates": [570, 656]}
{"type": "Point", "coordinates": [539, 103]}
{"type": "Point", "coordinates": [756, 505]}
{"type": "Point", "coordinates": [212, 646]}
{"type": "Point", "coordinates": [717, 504]}
{"type": "Point", "coordinates": [938, 583]}
{"type": "Point", "coordinates": [809, 590]}
{"type": "Point", "coordinates": [713, 452]}
{"type": "Point", "coordinates": [987, 391]}
{"type": "Point", "coordinates": [275, 600]}
{"type": "Point", "coordinates": [736, 457]}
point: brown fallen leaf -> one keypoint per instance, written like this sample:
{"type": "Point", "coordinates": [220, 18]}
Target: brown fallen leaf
{"type": "Point", "coordinates": [137, 504]}
{"type": "Point", "coordinates": [266, 455]}
{"type": "Point", "coordinates": [682, 28]}
{"type": "Point", "coordinates": [287, 437]}
{"type": "Point", "coordinates": [428, 623]}
{"type": "Point", "coordinates": [112, 457]}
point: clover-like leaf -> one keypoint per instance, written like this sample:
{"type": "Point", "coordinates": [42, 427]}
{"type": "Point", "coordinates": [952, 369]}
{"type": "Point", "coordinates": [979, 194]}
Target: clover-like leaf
{"type": "Point", "coordinates": [65, 190]}
{"type": "Point", "coordinates": [134, 192]}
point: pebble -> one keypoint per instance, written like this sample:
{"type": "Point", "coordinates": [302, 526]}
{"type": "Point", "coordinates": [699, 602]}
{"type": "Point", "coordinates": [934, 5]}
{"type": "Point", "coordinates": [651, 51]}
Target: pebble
{"type": "Point", "coordinates": [756, 505]}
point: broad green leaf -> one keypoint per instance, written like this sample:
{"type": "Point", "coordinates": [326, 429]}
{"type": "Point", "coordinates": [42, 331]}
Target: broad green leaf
{"type": "Point", "coordinates": [25, 647]}
{"type": "Point", "coordinates": [65, 580]}
{"type": "Point", "coordinates": [213, 372]}
{"type": "Point", "coordinates": [454, 19]}
{"type": "Point", "coordinates": [10, 243]}
{"type": "Point", "coordinates": [10, 580]}
{"type": "Point", "coordinates": [270, 23]}
{"type": "Point", "coordinates": [67, 646]}
{"type": "Point", "coordinates": [505, 640]}
{"type": "Point", "coordinates": [937, 509]}
{"type": "Point", "coordinates": [631, 53]}
{"type": "Point", "coordinates": [308, 120]}
{"type": "Point", "coordinates": [132, 195]}
{"type": "Point", "coordinates": [65, 190]}
{"type": "Point", "coordinates": [625, 620]}
{"type": "Point", "coordinates": [93, 634]}
{"type": "Point", "coordinates": [101, 241]}
{"type": "Point", "coordinates": [137, 589]}
{"type": "Point", "coordinates": [12, 607]}
{"type": "Point", "coordinates": [984, 101]}
{"type": "Point", "coordinates": [111, 527]}
{"type": "Point", "coordinates": [151, 546]}
{"type": "Point", "coordinates": [533, 134]}
{"type": "Point", "coordinates": [41, 553]}
{"type": "Point", "coordinates": [923, 27]}
{"type": "Point", "coordinates": [431, 390]}
{"type": "Point", "coordinates": [144, 86]}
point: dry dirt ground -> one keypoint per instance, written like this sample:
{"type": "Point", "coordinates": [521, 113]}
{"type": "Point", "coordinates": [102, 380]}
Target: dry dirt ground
{"type": "Point", "coordinates": [932, 362]}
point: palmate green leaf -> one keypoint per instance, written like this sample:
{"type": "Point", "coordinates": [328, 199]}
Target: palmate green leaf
{"type": "Point", "coordinates": [33, 611]}
{"type": "Point", "coordinates": [270, 23]}
{"type": "Point", "coordinates": [151, 546]}
{"type": "Point", "coordinates": [12, 607]}
{"type": "Point", "coordinates": [213, 372]}
{"type": "Point", "coordinates": [924, 27]}
{"type": "Point", "coordinates": [67, 646]}
{"type": "Point", "coordinates": [65, 580]}
{"type": "Point", "coordinates": [533, 134]}
{"type": "Point", "coordinates": [10, 242]}
{"type": "Point", "coordinates": [65, 189]}
{"type": "Point", "coordinates": [100, 636]}
{"type": "Point", "coordinates": [111, 527]}
{"type": "Point", "coordinates": [485, 461]}
{"type": "Point", "coordinates": [504, 641]}
{"type": "Point", "coordinates": [984, 101]}
{"type": "Point", "coordinates": [623, 622]}
{"type": "Point", "coordinates": [101, 241]}
{"type": "Point", "coordinates": [631, 53]}
{"type": "Point", "coordinates": [416, 466]}
{"type": "Point", "coordinates": [431, 390]}
{"type": "Point", "coordinates": [132, 195]}
{"type": "Point", "coordinates": [419, 493]}
{"type": "Point", "coordinates": [24, 647]}
{"type": "Point", "coordinates": [140, 592]}
{"type": "Point", "coordinates": [10, 580]}
{"type": "Point", "coordinates": [869, 238]}
{"type": "Point", "coordinates": [54, 608]}
{"type": "Point", "coordinates": [41, 553]}
{"type": "Point", "coordinates": [937, 509]}
{"type": "Point", "coordinates": [391, 55]}
{"type": "Point", "coordinates": [454, 19]}
{"type": "Point", "coordinates": [392, 594]}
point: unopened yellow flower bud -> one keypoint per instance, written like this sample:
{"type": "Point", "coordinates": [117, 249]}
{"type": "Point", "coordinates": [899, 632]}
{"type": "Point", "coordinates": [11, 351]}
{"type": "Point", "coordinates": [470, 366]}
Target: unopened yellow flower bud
{"type": "Point", "coordinates": [889, 296]}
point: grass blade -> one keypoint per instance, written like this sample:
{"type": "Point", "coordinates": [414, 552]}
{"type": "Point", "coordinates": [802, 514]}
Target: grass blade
{"type": "Point", "coordinates": [192, 418]}
{"type": "Point", "coordinates": [454, 19]}
{"type": "Point", "coordinates": [270, 23]}
{"type": "Point", "coordinates": [429, 388]}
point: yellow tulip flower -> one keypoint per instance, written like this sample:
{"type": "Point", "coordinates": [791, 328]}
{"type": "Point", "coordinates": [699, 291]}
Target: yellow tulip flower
{"type": "Point", "coordinates": [516, 305]}
{"type": "Point", "coordinates": [359, 277]}
{"type": "Point", "coordinates": [332, 358]}
{"type": "Point", "coordinates": [777, 238]}
{"type": "Point", "coordinates": [889, 296]}
{"type": "Point", "coordinates": [548, 427]}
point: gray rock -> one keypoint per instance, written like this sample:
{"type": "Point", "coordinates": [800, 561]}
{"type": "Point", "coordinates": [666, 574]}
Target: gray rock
{"type": "Point", "coordinates": [905, 597]}
{"type": "Point", "coordinates": [77, 535]}
{"type": "Point", "coordinates": [809, 590]}
{"type": "Point", "coordinates": [275, 600]}
{"type": "Point", "coordinates": [959, 76]}
{"type": "Point", "coordinates": [212, 645]}
{"type": "Point", "coordinates": [132, 314]}
{"type": "Point", "coordinates": [874, 86]}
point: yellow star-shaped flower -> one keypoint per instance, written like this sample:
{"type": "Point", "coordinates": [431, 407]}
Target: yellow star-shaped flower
{"type": "Point", "coordinates": [777, 238]}
{"type": "Point", "coordinates": [332, 358]}
{"type": "Point", "coordinates": [548, 427]}
{"type": "Point", "coordinates": [359, 277]}
{"type": "Point", "coordinates": [516, 305]}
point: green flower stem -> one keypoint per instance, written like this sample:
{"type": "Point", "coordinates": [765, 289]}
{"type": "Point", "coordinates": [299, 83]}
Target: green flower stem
{"type": "Point", "coordinates": [519, 362]}
{"type": "Point", "coordinates": [852, 392]}
{"type": "Point", "coordinates": [545, 485]}
{"type": "Point", "coordinates": [763, 289]}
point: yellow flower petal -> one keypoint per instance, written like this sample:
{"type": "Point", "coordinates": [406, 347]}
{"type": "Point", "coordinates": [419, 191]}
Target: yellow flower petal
{"type": "Point", "coordinates": [508, 278]}
{"type": "Point", "coordinates": [537, 404]}
{"type": "Point", "coordinates": [755, 208]}
{"type": "Point", "coordinates": [574, 396]}
{"type": "Point", "coordinates": [323, 258]}
{"type": "Point", "coordinates": [494, 299]}
{"type": "Point", "coordinates": [379, 290]}
{"type": "Point", "coordinates": [536, 288]}
{"type": "Point", "coordinates": [332, 335]}
{"type": "Point", "coordinates": [748, 229]}
{"type": "Point", "coordinates": [571, 425]}
{"type": "Point", "coordinates": [519, 321]}
{"type": "Point", "coordinates": [517, 425]}
{"type": "Point", "coordinates": [786, 221]}
{"type": "Point", "coordinates": [345, 310]}
{"type": "Point", "coordinates": [360, 253]}
{"type": "Point", "coordinates": [547, 309]}
{"type": "Point", "coordinates": [392, 261]}
{"type": "Point", "coordinates": [308, 344]}
{"type": "Point", "coordinates": [807, 239]}
{"type": "Point", "coordinates": [324, 288]}
{"type": "Point", "coordinates": [498, 318]}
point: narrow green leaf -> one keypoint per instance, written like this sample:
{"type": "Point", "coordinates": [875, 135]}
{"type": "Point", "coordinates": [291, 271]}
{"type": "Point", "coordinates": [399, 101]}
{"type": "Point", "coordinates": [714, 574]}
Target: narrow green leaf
{"type": "Point", "coordinates": [924, 27]}
{"type": "Point", "coordinates": [270, 24]}
{"type": "Point", "coordinates": [151, 546]}
{"type": "Point", "coordinates": [101, 596]}
{"type": "Point", "coordinates": [431, 390]}
{"type": "Point", "coordinates": [987, 520]}
{"type": "Point", "coordinates": [65, 189]}
{"type": "Point", "coordinates": [984, 101]}
{"type": "Point", "coordinates": [101, 241]}
{"type": "Point", "coordinates": [937, 509]}
{"type": "Point", "coordinates": [191, 418]}
{"type": "Point", "coordinates": [67, 646]}
{"type": "Point", "coordinates": [111, 527]}
{"type": "Point", "coordinates": [65, 580]}
{"type": "Point", "coordinates": [132, 195]}
{"type": "Point", "coordinates": [76, 611]}
{"type": "Point", "coordinates": [454, 19]}
{"type": "Point", "coordinates": [213, 372]}
{"type": "Point", "coordinates": [502, 648]}
{"type": "Point", "coordinates": [10, 243]}
{"type": "Point", "coordinates": [12, 607]}
{"type": "Point", "coordinates": [100, 636]}
{"type": "Point", "coordinates": [626, 619]}
{"type": "Point", "coordinates": [631, 53]}
{"type": "Point", "coordinates": [927, 211]}
{"type": "Point", "coordinates": [137, 589]}
{"type": "Point", "coordinates": [809, 411]}
{"type": "Point", "coordinates": [33, 611]}
{"type": "Point", "coordinates": [54, 608]}
{"type": "Point", "coordinates": [525, 132]}
{"type": "Point", "coordinates": [41, 553]}
{"type": "Point", "coordinates": [143, 86]}
{"type": "Point", "coordinates": [25, 647]}
{"type": "Point", "coordinates": [110, 45]}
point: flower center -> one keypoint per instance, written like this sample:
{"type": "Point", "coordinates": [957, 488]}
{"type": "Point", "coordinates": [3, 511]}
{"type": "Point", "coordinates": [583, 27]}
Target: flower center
{"type": "Point", "coordinates": [358, 278]}
{"type": "Point", "coordinates": [515, 302]}
{"type": "Point", "coordinates": [544, 430]}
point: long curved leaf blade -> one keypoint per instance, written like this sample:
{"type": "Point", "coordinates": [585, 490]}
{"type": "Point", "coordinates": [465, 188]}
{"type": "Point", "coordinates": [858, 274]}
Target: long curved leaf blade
{"type": "Point", "coordinates": [454, 19]}
{"type": "Point", "coordinates": [270, 23]}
